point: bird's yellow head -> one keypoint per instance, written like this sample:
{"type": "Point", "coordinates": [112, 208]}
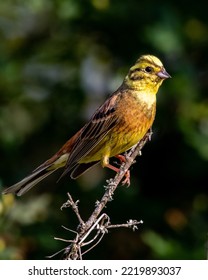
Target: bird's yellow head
{"type": "Point", "coordinates": [148, 73]}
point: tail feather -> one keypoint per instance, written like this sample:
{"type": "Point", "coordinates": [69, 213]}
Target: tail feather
{"type": "Point", "coordinates": [81, 168]}
{"type": "Point", "coordinates": [28, 182]}
{"type": "Point", "coordinates": [40, 173]}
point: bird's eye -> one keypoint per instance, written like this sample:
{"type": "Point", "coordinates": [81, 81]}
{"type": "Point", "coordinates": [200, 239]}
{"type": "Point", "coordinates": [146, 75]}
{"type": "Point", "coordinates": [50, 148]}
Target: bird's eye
{"type": "Point", "coordinates": [148, 69]}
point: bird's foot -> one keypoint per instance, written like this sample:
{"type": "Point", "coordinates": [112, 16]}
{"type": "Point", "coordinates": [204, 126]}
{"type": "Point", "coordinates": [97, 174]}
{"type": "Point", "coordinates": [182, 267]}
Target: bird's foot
{"type": "Point", "coordinates": [126, 181]}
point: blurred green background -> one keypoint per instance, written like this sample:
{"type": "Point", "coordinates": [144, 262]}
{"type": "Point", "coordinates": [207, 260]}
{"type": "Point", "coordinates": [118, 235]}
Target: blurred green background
{"type": "Point", "coordinates": [58, 61]}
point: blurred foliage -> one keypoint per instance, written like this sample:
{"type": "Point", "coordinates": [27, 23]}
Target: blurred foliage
{"type": "Point", "coordinates": [58, 61]}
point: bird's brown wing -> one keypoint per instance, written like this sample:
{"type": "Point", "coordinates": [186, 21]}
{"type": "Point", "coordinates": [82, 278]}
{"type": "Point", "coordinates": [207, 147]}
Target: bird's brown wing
{"type": "Point", "coordinates": [101, 123]}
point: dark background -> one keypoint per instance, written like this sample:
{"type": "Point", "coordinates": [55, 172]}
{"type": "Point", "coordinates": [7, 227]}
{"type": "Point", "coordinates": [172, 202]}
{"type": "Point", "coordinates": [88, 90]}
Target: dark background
{"type": "Point", "coordinates": [58, 61]}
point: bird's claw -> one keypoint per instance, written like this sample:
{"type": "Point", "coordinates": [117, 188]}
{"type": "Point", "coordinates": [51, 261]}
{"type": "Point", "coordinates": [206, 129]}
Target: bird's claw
{"type": "Point", "coordinates": [127, 181]}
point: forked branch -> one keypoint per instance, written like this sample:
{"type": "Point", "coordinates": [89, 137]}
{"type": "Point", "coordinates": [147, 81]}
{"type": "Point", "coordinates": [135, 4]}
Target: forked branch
{"type": "Point", "coordinates": [91, 232]}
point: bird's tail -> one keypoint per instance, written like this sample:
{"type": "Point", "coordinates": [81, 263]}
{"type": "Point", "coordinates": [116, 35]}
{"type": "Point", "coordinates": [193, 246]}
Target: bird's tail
{"type": "Point", "coordinates": [30, 181]}
{"type": "Point", "coordinates": [40, 173]}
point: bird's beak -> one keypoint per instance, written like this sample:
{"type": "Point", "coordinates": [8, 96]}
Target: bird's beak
{"type": "Point", "coordinates": [163, 74]}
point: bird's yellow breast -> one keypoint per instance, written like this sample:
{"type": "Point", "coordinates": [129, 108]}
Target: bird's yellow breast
{"type": "Point", "coordinates": [135, 117]}
{"type": "Point", "coordinates": [138, 117]}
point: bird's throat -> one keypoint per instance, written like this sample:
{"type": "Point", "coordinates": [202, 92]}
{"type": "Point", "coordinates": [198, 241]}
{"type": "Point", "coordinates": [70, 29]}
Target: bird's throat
{"type": "Point", "coordinates": [148, 99]}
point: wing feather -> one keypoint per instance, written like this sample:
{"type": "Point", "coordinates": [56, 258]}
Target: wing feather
{"type": "Point", "coordinates": [101, 123]}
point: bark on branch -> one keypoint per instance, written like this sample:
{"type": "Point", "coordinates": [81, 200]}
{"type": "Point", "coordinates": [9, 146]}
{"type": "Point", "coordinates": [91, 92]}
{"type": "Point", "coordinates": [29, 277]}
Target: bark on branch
{"type": "Point", "coordinates": [90, 233]}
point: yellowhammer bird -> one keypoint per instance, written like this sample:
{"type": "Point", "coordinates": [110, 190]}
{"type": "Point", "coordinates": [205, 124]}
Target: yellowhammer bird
{"type": "Point", "coordinates": [114, 128]}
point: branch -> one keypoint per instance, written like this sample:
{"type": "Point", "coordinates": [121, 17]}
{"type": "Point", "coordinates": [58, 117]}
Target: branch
{"type": "Point", "coordinates": [97, 222]}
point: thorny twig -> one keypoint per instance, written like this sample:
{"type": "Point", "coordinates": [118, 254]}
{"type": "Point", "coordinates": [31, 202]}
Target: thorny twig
{"type": "Point", "coordinates": [74, 206]}
{"type": "Point", "coordinates": [96, 222]}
